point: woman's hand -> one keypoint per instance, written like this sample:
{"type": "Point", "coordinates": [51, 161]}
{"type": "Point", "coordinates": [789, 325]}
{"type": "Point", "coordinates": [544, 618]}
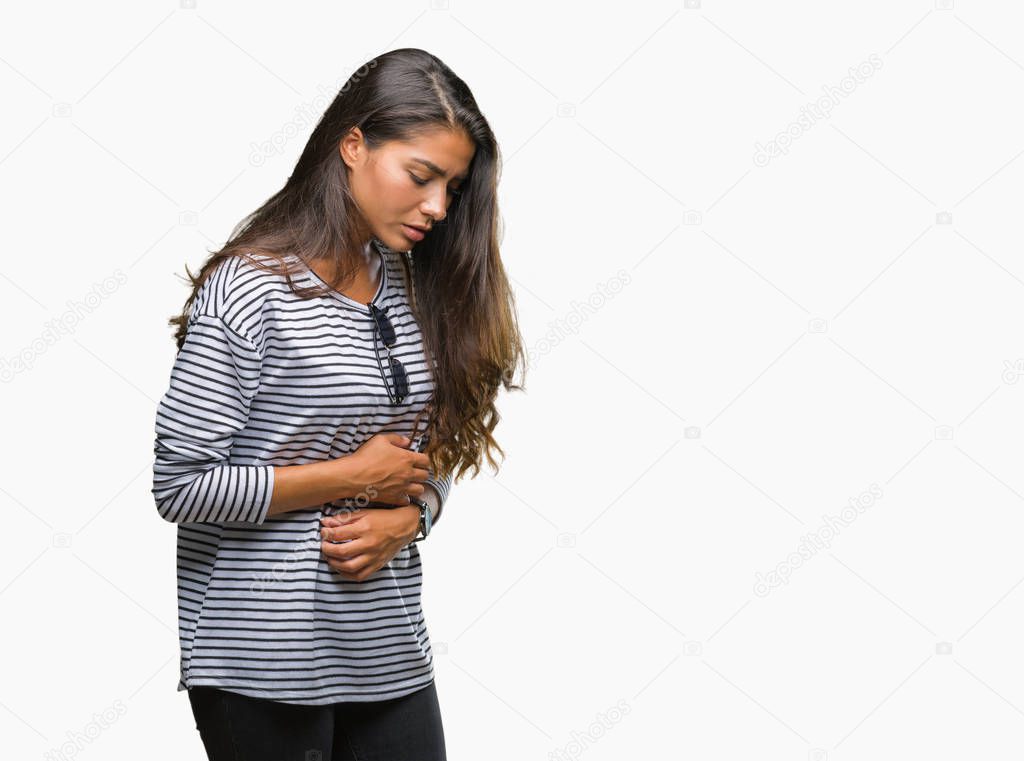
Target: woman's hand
{"type": "Point", "coordinates": [384, 469]}
{"type": "Point", "coordinates": [375, 536]}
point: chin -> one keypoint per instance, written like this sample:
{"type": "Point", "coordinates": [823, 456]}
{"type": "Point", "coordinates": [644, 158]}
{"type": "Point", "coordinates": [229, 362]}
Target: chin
{"type": "Point", "coordinates": [394, 241]}
{"type": "Point", "coordinates": [401, 243]}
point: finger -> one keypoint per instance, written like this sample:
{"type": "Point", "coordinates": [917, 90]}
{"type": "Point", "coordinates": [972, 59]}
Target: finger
{"type": "Point", "coordinates": [412, 488]}
{"type": "Point", "coordinates": [399, 440]}
{"type": "Point", "coordinates": [351, 568]}
{"type": "Point", "coordinates": [402, 500]}
{"type": "Point", "coordinates": [341, 532]}
{"type": "Point", "coordinates": [350, 513]}
{"type": "Point", "coordinates": [362, 574]}
{"type": "Point", "coordinates": [342, 519]}
{"type": "Point", "coordinates": [341, 551]}
{"type": "Point", "coordinates": [334, 522]}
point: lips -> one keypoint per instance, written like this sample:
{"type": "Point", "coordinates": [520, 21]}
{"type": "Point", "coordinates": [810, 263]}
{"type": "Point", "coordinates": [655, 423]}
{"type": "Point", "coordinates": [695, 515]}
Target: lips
{"type": "Point", "coordinates": [415, 234]}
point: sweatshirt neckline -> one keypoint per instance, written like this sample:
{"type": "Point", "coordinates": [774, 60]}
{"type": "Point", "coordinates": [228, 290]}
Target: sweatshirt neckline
{"type": "Point", "coordinates": [382, 285]}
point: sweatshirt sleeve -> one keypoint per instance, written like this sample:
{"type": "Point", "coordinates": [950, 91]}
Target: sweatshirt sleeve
{"type": "Point", "coordinates": [213, 380]}
{"type": "Point", "coordinates": [442, 486]}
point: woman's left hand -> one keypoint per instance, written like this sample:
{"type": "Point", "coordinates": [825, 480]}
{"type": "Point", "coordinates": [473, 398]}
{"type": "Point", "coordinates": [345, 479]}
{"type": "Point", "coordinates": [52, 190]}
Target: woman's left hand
{"type": "Point", "coordinates": [376, 534]}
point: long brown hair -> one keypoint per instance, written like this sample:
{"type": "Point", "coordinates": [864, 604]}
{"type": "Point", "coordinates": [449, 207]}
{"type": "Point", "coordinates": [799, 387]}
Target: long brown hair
{"type": "Point", "coordinates": [462, 298]}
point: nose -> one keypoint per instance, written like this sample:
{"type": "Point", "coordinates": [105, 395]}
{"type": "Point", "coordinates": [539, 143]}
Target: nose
{"type": "Point", "coordinates": [435, 205]}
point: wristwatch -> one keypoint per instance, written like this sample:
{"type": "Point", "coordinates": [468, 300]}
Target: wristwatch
{"type": "Point", "coordinates": [426, 518]}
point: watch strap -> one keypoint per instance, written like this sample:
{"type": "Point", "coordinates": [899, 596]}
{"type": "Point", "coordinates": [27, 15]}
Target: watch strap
{"type": "Point", "coordinates": [425, 518]}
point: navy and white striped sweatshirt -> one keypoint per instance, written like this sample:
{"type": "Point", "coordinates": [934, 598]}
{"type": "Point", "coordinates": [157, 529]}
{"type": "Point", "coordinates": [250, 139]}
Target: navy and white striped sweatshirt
{"type": "Point", "coordinates": [267, 379]}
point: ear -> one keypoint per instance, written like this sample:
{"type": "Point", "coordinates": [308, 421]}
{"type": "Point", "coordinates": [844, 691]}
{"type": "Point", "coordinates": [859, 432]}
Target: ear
{"type": "Point", "coordinates": [352, 146]}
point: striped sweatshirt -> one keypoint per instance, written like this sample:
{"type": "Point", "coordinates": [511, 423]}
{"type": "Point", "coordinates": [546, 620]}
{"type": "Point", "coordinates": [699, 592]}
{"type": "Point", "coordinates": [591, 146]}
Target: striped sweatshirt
{"type": "Point", "coordinates": [267, 379]}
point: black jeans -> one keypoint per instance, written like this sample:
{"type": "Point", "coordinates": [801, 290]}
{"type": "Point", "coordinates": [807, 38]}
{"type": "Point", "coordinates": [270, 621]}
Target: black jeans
{"type": "Point", "coordinates": [239, 728]}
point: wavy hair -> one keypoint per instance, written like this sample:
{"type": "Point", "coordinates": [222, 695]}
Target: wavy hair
{"type": "Point", "coordinates": [461, 294]}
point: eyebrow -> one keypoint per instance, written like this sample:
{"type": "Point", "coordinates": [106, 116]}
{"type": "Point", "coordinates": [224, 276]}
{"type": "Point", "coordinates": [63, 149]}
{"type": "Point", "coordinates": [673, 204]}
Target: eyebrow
{"type": "Point", "coordinates": [436, 169]}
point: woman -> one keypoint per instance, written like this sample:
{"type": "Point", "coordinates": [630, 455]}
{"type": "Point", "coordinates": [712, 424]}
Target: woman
{"type": "Point", "coordinates": [338, 363]}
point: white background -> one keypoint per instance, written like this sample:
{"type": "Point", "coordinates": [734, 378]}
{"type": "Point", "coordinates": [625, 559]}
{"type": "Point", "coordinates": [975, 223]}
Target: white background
{"type": "Point", "coordinates": [840, 325]}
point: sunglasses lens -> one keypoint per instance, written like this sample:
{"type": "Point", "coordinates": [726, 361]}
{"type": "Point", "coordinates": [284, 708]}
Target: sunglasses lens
{"type": "Point", "coordinates": [401, 380]}
{"type": "Point", "coordinates": [387, 335]}
{"type": "Point", "coordinates": [387, 332]}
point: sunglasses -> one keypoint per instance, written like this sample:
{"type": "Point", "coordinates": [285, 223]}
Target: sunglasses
{"type": "Point", "coordinates": [386, 332]}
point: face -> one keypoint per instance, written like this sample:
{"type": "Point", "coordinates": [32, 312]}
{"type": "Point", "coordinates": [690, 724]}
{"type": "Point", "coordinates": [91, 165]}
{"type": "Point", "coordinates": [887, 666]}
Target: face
{"type": "Point", "coordinates": [404, 185]}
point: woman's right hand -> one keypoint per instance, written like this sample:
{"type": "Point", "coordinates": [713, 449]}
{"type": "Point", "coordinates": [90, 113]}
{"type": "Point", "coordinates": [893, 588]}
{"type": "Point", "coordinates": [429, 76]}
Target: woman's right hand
{"type": "Point", "coordinates": [387, 471]}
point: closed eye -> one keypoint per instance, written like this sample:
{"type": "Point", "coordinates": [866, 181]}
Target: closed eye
{"type": "Point", "coordinates": [420, 181]}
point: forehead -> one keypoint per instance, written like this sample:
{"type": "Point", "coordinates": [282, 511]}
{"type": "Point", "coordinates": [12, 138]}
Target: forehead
{"type": "Point", "coordinates": [440, 151]}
